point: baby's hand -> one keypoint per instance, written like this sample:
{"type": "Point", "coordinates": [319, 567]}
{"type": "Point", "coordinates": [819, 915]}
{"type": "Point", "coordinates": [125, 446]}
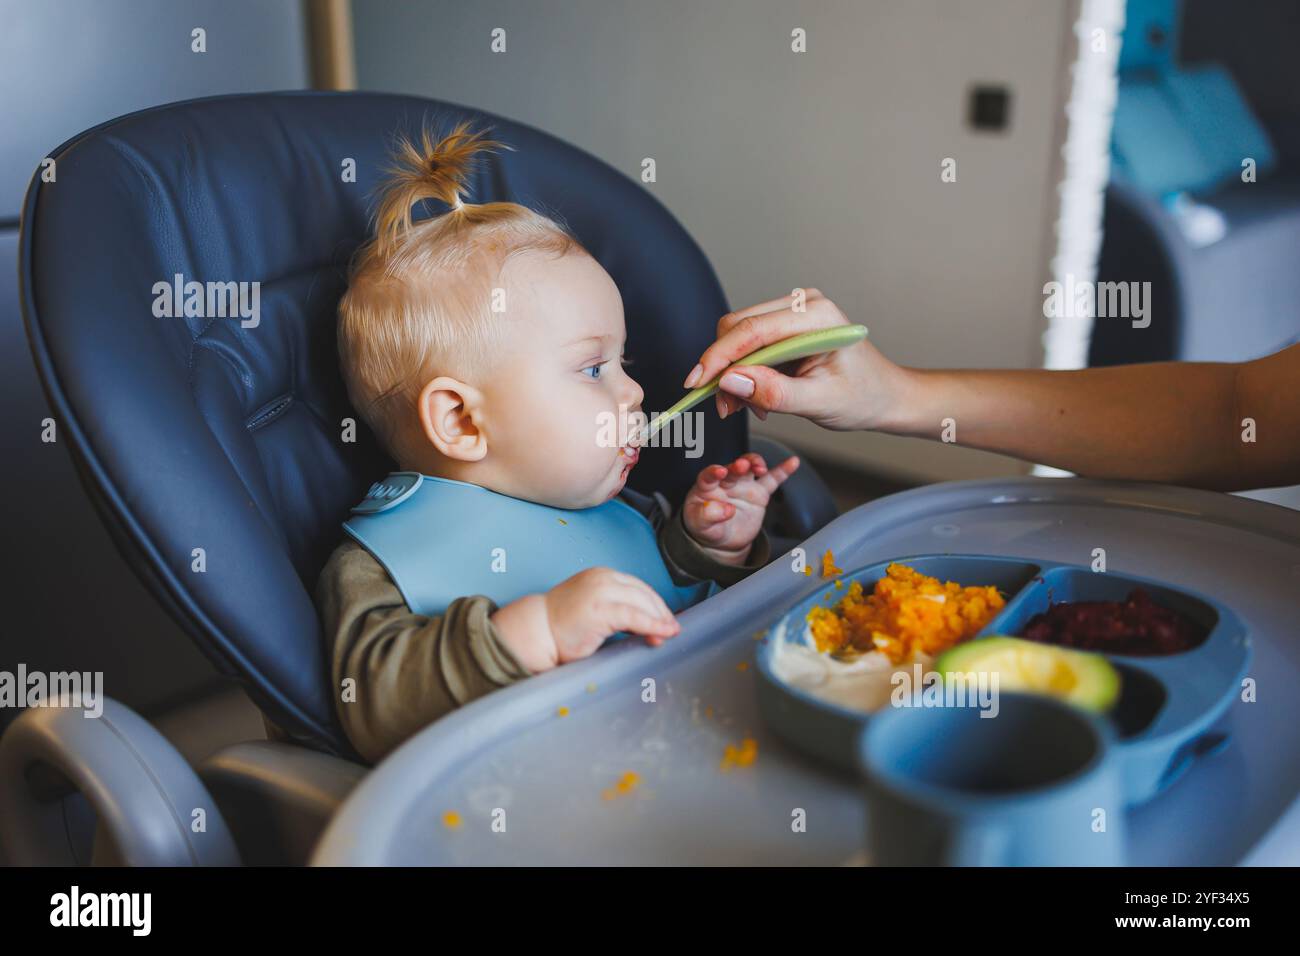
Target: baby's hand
{"type": "Point", "coordinates": [572, 619]}
{"type": "Point", "coordinates": [724, 510]}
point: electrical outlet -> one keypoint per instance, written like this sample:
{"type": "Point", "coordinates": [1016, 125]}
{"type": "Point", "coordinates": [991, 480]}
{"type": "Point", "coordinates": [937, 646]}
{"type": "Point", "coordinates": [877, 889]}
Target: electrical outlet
{"type": "Point", "coordinates": [990, 107]}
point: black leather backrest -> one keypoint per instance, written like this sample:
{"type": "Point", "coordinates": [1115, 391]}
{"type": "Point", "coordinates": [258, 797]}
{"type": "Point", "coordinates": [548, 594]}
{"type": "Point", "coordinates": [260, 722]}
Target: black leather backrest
{"type": "Point", "coordinates": [199, 433]}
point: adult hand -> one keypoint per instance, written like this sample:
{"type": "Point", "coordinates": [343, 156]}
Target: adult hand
{"type": "Point", "coordinates": [851, 388]}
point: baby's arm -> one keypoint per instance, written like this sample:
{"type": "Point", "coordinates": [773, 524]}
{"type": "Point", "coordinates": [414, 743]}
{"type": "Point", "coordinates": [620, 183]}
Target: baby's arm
{"type": "Point", "coordinates": [572, 619]}
{"type": "Point", "coordinates": [406, 669]}
{"type": "Point", "coordinates": [689, 562]}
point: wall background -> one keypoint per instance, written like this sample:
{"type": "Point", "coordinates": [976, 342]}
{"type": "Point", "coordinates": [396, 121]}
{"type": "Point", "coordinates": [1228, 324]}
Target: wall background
{"type": "Point", "coordinates": [814, 169]}
{"type": "Point", "coordinates": [66, 66]}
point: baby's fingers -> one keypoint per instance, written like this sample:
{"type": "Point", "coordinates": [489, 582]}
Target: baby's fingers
{"type": "Point", "coordinates": [639, 621]}
{"type": "Point", "coordinates": [706, 512]}
{"type": "Point", "coordinates": [744, 467]}
{"type": "Point", "coordinates": [710, 478]}
{"type": "Point", "coordinates": [634, 618]}
{"type": "Point", "coordinates": [775, 477]}
{"type": "Point", "coordinates": [629, 589]}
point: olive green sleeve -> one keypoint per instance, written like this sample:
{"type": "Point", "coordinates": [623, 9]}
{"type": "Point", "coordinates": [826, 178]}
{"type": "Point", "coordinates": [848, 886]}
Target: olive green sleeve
{"type": "Point", "coordinates": [685, 558]}
{"type": "Point", "coordinates": [395, 671]}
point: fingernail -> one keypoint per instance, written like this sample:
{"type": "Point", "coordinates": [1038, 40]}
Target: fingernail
{"type": "Point", "coordinates": [737, 385]}
{"type": "Point", "coordinates": [693, 377]}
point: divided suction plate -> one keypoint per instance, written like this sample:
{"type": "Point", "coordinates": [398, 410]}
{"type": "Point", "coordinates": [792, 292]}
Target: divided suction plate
{"type": "Point", "coordinates": [1167, 704]}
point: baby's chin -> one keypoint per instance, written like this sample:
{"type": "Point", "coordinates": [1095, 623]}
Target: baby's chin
{"type": "Point", "coordinates": [607, 490]}
{"type": "Point", "coordinates": [599, 488]}
{"type": "Point", "coordinates": [619, 484]}
{"type": "Point", "coordinates": [610, 487]}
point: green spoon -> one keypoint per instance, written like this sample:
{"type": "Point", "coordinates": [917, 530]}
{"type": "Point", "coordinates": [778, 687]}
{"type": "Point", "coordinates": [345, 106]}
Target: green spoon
{"type": "Point", "coordinates": [787, 350]}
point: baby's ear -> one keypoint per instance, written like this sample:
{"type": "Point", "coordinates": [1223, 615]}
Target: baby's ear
{"type": "Point", "coordinates": [447, 409]}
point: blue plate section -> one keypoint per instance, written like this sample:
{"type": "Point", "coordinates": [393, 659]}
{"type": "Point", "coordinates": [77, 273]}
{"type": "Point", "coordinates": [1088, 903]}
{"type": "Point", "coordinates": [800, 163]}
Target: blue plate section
{"type": "Point", "coordinates": [1198, 685]}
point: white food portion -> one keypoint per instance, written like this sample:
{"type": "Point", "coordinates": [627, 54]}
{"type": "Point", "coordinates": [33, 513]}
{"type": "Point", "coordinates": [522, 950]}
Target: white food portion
{"type": "Point", "coordinates": [862, 684]}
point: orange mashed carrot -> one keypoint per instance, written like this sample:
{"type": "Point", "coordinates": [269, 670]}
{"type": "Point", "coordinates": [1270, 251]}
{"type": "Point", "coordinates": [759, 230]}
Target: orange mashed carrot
{"type": "Point", "coordinates": [906, 613]}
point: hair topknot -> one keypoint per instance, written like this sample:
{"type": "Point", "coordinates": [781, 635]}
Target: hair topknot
{"type": "Point", "coordinates": [431, 168]}
{"type": "Point", "coordinates": [419, 301]}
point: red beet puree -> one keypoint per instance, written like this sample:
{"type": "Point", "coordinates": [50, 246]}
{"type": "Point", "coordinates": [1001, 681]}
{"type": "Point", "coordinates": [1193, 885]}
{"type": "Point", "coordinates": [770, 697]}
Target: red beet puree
{"type": "Point", "coordinates": [1137, 626]}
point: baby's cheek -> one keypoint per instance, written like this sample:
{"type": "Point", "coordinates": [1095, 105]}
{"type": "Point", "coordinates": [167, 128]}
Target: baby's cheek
{"type": "Point", "coordinates": [581, 458]}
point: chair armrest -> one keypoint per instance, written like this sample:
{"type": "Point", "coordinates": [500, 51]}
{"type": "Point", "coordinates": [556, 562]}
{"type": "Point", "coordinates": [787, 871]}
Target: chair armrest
{"type": "Point", "coordinates": [140, 787]}
{"type": "Point", "coordinates": [278, 798]}
{"type": "Point", "coordinates": [804, 504]}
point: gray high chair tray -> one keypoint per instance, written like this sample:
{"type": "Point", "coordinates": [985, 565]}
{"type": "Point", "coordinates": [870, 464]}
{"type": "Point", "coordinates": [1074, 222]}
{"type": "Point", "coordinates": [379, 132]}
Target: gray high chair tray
{"type": "Point", "coordinates": [621, 759]}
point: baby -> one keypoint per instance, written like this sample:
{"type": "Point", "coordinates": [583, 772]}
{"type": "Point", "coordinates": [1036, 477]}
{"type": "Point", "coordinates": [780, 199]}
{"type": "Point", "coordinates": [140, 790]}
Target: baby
{"type": "Point", "coordinates": [484, 347]}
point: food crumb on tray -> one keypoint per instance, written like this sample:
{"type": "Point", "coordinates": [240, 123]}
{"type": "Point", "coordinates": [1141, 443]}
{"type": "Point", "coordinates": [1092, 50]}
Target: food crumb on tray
{"type": "Point", "coordinates": [742, 756]}
{"type": "Point", "coordinates": [625, 785]}
{"type": "Point", "coordinates": [829, 570]}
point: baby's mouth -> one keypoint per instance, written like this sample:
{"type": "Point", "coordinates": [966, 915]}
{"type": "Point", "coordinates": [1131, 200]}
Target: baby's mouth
{"type": "Point", "coordinates": [630, 453]}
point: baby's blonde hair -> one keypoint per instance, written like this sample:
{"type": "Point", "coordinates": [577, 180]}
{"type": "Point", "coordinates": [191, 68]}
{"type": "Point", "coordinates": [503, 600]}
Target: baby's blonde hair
{"type": "Point", "coordinates": [419, 297]}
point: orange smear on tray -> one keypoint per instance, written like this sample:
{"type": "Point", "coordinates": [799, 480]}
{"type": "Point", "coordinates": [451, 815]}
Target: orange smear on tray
{"type": "Point", "coordinates": [906, 613]}
{"type": "Point", "coordinates": [829, 570]}
{"type": "Point", "coordinates": [625, 785]}
{"type": "Point", "coordinates": [742, 756]}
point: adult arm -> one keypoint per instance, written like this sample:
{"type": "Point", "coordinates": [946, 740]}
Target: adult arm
{"type": "Point", "coordinates": [1181, 423]}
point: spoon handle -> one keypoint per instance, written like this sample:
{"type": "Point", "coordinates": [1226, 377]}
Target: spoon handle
{"type": "Point", "coordinates": [787, 350]}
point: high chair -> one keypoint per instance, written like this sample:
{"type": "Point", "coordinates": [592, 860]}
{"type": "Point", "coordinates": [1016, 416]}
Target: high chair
{"type": "Point", "coordinates": [217, 451]}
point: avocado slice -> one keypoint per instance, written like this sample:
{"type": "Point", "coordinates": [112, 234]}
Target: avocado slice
{"type": "Point", "coordinates": [1076, 677]}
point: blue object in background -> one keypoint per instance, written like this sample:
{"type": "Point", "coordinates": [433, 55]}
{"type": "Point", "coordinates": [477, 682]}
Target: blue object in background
{"type": "Point", "coordinates": [1203, 87]}
{"type": "Point", "coordinates": [1220, 121]}
{"type": "Point", "coordinates": [1151, 30]}
{"type": "Point", "coordinates": [1178, 128]}
{"type": "Point", "coordinates": [1152, 144]}
{"type": "Point", "coordinates": [1186, 130]}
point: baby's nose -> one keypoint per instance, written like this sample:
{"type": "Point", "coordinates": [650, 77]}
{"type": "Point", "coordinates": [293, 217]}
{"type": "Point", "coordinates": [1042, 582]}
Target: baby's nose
{"type": "Point", "coordinates": [633, 393]}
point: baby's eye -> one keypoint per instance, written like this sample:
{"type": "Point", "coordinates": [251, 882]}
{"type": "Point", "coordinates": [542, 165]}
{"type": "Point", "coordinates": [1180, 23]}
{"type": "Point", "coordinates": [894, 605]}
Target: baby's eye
{"type": "Point", "coordinates": [595, 369]}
